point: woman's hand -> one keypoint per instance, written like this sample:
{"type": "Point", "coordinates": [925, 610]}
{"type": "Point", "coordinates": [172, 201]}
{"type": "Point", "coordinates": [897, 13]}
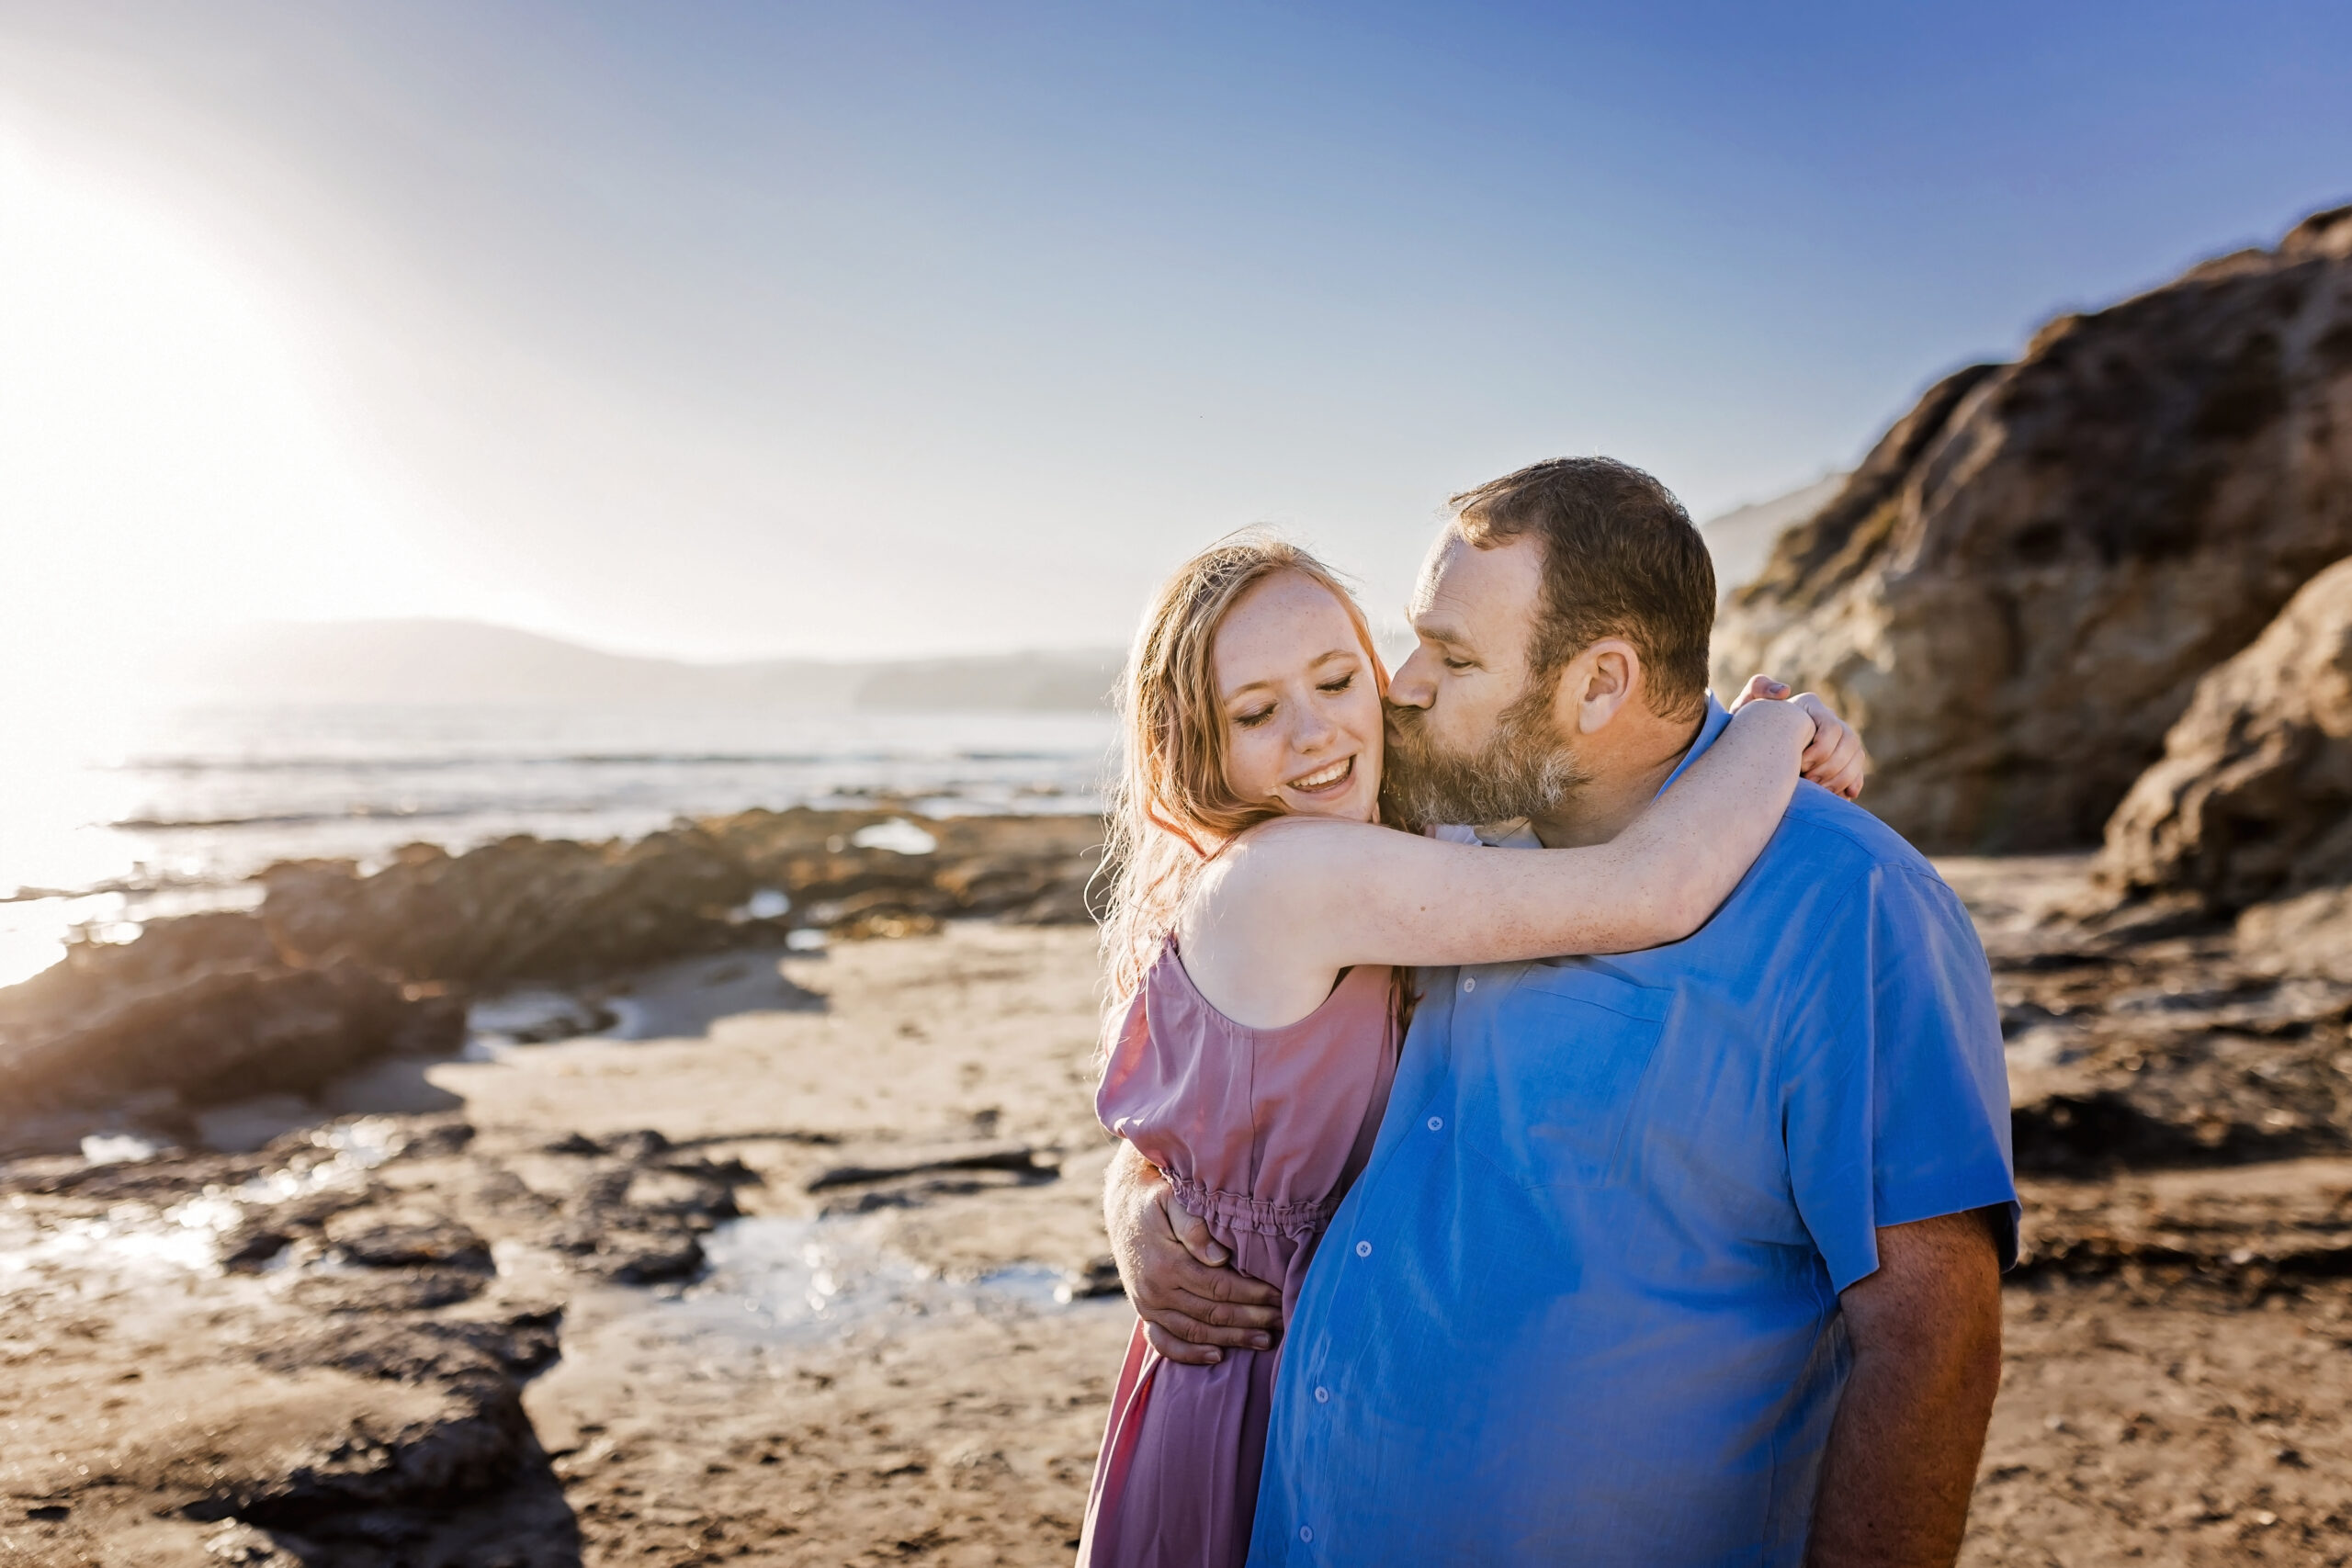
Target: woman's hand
{"type": "Point", "coordinates": [1835, 760]}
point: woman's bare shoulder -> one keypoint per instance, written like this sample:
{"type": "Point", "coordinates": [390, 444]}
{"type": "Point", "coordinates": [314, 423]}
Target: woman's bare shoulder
{"type": "Point", "coordinates": [1308, 838]}
{"type": "Point", "coordinates": [1298, 859]}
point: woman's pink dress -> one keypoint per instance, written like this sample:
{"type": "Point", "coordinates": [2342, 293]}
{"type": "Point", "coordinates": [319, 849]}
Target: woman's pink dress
{"type": "Point", "coordinates": [1260, 1131]}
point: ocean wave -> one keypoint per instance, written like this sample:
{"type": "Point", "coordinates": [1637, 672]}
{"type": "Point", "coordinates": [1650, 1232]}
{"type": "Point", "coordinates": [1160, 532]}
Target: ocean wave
{"type": "Point", "coordinates": [348, 814]}
{"type": "Point", "coordinates": [384, 765]}
{"type": "Point", "coordinates": [129, 886]}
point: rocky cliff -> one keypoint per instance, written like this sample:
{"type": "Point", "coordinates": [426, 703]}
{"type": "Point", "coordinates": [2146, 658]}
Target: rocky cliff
{"type": "Point", "coordinates": [2249, 813]}
{"type": "Point", "coordinates": [2253, 797]}
{"type": "Point", "coordinates": [2016, 593]}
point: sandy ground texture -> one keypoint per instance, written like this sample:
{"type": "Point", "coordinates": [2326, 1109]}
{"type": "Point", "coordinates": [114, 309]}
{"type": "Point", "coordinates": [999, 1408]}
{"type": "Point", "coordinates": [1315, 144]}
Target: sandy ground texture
{"type": "Point", "coordinates": [786, 1288]}
{"type": "Point", "coordinates": [818, 1282]}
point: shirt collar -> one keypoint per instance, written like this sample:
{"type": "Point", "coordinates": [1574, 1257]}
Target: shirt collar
{"type": "Point", "coordinates": [1516, 835]}
{"type": "Point", "coordinates": [1710, 730]}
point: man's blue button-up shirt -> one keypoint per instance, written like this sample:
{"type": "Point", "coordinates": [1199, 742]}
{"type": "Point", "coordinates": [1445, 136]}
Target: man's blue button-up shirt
{"type": "Point", "coordinates": [1582, 1305]}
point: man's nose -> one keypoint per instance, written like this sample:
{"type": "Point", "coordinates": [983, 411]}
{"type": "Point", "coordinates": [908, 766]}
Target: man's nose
{"type": "Point", "coordinates": [1415, 683]}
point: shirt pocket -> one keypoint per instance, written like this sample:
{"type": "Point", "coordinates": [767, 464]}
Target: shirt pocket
{"type": "Point", "coordinates": [1572, 1048]}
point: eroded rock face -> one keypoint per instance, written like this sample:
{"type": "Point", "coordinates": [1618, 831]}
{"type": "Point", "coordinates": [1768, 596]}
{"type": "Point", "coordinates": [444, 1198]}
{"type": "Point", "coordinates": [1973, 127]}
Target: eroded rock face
{"type": "Point", "coordinates": [2016, 593]}
{"type": "Point", "coordinates": [2253, 798]}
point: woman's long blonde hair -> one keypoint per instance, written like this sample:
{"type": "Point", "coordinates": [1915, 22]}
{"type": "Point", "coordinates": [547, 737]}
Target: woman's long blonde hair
{"type": "Point", "coordinates": [1171, 810]}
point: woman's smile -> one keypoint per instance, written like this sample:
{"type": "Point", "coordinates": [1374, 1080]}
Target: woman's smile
{"type": "Point", "coordinates": [1327, 779]}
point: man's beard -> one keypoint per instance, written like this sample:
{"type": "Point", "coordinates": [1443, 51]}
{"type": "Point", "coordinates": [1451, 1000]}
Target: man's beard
{"type": "Point", "coordinates": [1524, 769]}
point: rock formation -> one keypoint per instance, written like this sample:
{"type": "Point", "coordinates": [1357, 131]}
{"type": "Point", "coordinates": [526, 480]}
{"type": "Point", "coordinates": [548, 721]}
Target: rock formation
{"type": "Point", "coordinates": [339, 968]}
{"type": "Point", "coordinates": [201, 1011]}
{"type": "Point", "coordinates": [2016, 593]}
{"type": "Point", "coordinates": [551, 909]}
{"type": "Point", "coordinates": [2250, 808]}
{"type": "Point", "coordinates": [520, 909]}
{"type": "Point", "coordinates": [2253, 797]}
{"type": "Point", "coordinates": [1026, 870]}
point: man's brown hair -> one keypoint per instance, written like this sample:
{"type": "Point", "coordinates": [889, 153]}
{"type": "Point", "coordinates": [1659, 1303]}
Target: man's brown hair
{"type": "Point", "coordinates": [1621, 559]}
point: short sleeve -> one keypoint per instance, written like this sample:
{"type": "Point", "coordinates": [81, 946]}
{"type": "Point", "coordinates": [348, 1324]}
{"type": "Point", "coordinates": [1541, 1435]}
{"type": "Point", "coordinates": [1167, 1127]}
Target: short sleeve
{"type": "Point", "coordinates": [1895, 1093]}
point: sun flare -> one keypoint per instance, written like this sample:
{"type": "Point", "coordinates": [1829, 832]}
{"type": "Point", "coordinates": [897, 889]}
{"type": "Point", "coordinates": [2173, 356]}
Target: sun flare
{"type": "Point", "coordinates": [173, 453]}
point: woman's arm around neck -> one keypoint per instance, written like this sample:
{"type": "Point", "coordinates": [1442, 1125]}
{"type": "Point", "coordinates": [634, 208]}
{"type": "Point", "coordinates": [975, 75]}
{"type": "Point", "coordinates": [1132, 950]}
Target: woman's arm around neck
{"type": "Point", "coordinates": [1275, 919]}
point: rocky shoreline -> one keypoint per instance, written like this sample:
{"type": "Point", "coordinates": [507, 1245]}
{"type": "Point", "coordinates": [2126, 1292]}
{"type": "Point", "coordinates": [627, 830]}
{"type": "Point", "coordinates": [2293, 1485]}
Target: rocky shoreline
{"type": "Point", "coordinates": [338, 971]}
{"type": "Point", "coordinates": [556, 1203]}
{"type": "Point", "coordinates": [277, 1297]}
{"type": "Point", "coordinates": [320, 1350]}
{"type": "Point", "coordinates": [816, 1282]}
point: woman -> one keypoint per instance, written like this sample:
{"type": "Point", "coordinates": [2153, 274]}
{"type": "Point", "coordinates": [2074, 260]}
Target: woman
{"type": "Point", "coordinates": [1261, 916]}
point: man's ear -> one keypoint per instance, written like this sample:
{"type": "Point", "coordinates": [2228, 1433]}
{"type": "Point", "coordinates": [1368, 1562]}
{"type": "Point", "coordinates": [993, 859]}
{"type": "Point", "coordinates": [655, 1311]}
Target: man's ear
{"type": "Point", "coordinates": [1597, 685]}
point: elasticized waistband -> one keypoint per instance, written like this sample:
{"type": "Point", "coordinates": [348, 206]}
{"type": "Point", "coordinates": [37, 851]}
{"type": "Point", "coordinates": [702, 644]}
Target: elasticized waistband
{"type": "Point", "coordinates": [1240, 1211]}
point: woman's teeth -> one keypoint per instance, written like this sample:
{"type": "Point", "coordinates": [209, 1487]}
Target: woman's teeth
{"type": "Point", "coordinates": [1326, 778]}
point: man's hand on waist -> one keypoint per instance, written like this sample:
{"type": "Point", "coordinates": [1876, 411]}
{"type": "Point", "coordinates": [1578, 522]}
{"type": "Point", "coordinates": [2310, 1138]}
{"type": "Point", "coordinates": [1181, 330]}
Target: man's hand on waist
{"type": "Point", "coordinates": [1191, 1302]}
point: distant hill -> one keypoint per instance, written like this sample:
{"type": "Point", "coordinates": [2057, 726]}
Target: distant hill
{"type": "Point", "coordinates": [1741, 539]}
{"type": "Point", "coordinates": [436, 662]}
{"type": "Point", "coordinates": [1028, 681]}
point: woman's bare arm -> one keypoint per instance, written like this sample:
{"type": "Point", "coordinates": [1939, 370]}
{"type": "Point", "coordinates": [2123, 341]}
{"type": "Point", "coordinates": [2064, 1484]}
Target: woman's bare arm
{"type": "Point", "coordinates": [1309, 897]}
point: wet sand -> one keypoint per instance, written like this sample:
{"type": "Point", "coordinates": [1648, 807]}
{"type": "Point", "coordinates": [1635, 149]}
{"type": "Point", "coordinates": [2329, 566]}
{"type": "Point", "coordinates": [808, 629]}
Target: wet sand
{"type": "Point", "coordinates": [935, 1419]}
{"type": "Point", "coordinates": [875, 1364]}
{"type": "Point", "coordinates": [816, 1320]}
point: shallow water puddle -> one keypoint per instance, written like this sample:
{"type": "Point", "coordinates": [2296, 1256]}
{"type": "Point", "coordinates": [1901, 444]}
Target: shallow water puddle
{"type": "Point", "coordinates": [678, 1001]}
{"type": "Point", "coordinates": [778, 1293]}
{"type": "Point", "coordinates": [135, 1238]}
{"type": "Point", "coordinates": [777, 1279]}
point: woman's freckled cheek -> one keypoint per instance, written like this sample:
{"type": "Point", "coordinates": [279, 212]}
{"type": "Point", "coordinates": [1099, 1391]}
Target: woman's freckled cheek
{"type": "Point", "coordinates": [1252, 767]}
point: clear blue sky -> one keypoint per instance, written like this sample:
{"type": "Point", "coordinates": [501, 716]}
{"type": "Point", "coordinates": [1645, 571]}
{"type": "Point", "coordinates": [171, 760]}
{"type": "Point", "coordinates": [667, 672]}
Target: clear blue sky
{"type": "Point", "coordinates": [728, 329]}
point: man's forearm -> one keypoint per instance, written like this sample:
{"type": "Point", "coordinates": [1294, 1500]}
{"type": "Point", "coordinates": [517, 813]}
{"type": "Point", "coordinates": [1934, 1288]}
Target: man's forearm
{"type": "Point", "coordinates": [1902, 1457]}
{"type": "Point", "coordinates": [1901, 1465]}
{"type": "Point", "coordinates": [1174, 1270]}
{"type": "Point", "coordinates": [1120, 1180]}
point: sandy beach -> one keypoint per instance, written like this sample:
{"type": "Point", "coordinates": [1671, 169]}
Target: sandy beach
{"type": "Point", "coordinates": [807, 1282]}
{"type": "Point", "coordinates": [931, 1089]}
{"type": "Point", "coordinates": [595, 601]}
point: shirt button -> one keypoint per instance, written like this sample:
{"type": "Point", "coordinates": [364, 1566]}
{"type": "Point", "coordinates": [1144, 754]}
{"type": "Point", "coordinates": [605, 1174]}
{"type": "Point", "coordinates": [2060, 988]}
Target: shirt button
{"type": "Point", "coordinates": [1322, 1396]}
{"type": "Point", "coordinates": [1469, 982]}
{"type": "Point", "coordinates": [1435, 1122]}
{"type": "Point", "coordinates": [1306, 1533]}
{"type": "Point", "coordinates": [1363, 1249]}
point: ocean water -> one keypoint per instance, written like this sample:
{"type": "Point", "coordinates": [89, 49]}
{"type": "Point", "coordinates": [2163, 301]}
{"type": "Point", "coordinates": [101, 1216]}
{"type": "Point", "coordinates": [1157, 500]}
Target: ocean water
{"type": "Point", "coordinates": [112, 818]}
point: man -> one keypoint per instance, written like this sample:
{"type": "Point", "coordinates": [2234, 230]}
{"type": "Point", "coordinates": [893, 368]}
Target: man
{"type": "Point", "coordinates": [1683, 1256]}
